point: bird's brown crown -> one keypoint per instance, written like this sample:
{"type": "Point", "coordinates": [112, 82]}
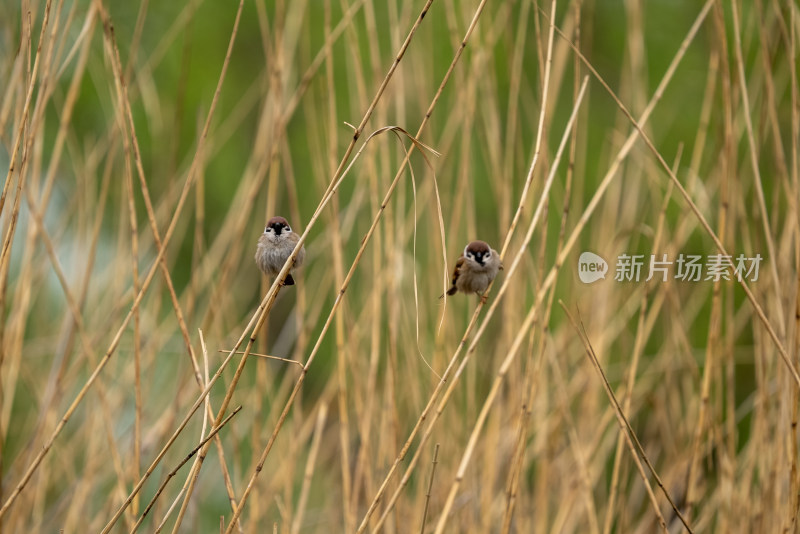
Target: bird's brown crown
{"type": "Point", "coordinates": [478, 251]}
{"type": "Point", "coordinates": [277, 220]}
{"type": "Point", "coordinates": [279, 225]}
{"type": "Point", "coordinates": [478, 246]}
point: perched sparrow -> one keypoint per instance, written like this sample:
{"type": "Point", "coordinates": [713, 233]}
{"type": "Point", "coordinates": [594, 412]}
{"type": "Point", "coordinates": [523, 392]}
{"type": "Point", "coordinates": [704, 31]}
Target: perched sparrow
{"type": "Point", "coordinates": [475, 269]}
{"type": "Point", "coordinates": [274, 247]}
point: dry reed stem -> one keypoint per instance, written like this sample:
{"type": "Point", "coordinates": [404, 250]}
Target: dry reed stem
{"type": "Point", "coordinates": [53, 382]}
{"type": "Point", "coordinates": [574, 440]}
{"type": "Point", "coordinates": [549, 280]}
{"type": "Point", "coordinates": [287, 360]}
{"type": "Point", "coordinates": [703, 222]}
{"type": "Point", "coordinates": [715, 324]}
{"type": "Point", "coordinates": [539, 136]}
{"type": "Point", "coordinates": [338, 277]}
{"type": "Point", "coordinates": [361, 478]}
{"type": "Point", "coordinates": [322, 416]}
{"type": "Point", "coordinates": [454, 379]}
{"type": "Point", "coordinates": [19, 135]}
{"type": "Point", "coordinates": [625, 428]}
{"type": "Point", "coordinates": [163, 522]}
{"type": "Point", "coordinates": [184, 193]}
{"type": "Point", "coordinates": [285, 114]}
{"type": "Point", "coordinates": [794, 448]}
{"type": "Point", "coordinates": [430, 487]}
{"type": "Point", "coordinates": [529, 438]}
{"type": "Point", "coordinates": [57, 150]}
{"type": "Point", "coordinates": [24, 121]}
{"type": "Point", "coordinates": [211, 435]}
{"type": "Point", "coordinates": [444, 375]}
{"type": "Point", "coordinates": [64, 419]}
{"type": "Point", "coordinates": [74, 308]}
{"type": "Point", "coordinates": [271, 295]}
{"type": "Point", "coordinates": [751, 142]}
{"type": "Point", "coordinates": [137, 340]}
{"type": "Point", "coordinates": [642, 333]}
{"type": "Point", "coordinates": [339, 297]}
{"type": "Point", "coordinates": [530, 381]}
{"type": "Point", "coordinates": [503, 370]}
{"type": "Point", "coordinates": [123, 96]}
{"type": "Point", "coordinates": [612, 171]}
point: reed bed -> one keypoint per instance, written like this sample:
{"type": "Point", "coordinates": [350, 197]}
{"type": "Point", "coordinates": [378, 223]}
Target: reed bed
{"type": "Point", "coordinates": [152, 379]}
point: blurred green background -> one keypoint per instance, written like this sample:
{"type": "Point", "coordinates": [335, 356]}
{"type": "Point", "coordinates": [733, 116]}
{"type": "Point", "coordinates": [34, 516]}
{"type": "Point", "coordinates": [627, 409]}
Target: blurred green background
{"type": "Point", "coordinates": [272, 148]}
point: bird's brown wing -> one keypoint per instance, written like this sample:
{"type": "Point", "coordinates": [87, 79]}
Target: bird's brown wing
{"type": "Point", "coordinates": [456, 273]}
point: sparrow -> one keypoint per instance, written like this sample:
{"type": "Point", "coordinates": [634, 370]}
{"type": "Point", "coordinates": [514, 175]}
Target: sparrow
{"type": "Point", "coordinates": [475, 269]}
{"type": "Point", "coordinates": [275, 246]}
